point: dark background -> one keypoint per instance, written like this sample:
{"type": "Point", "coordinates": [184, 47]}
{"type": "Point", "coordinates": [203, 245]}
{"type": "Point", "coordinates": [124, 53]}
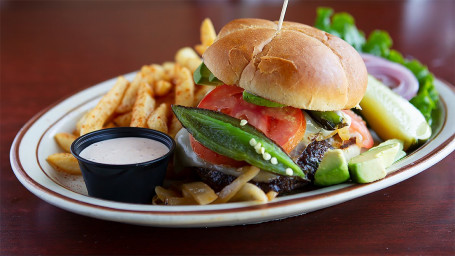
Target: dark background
{"type": "Point", "coordinates": [52, 49]}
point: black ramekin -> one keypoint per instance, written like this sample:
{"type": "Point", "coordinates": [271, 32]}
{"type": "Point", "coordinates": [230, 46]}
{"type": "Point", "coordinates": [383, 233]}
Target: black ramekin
{"type": "Point", "coordinates": [131, 183]}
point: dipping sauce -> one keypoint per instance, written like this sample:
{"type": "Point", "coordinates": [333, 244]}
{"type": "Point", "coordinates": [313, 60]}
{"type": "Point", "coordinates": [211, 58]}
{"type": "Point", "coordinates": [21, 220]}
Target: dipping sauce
{"type": "Point", "coordinates": [125, 150]}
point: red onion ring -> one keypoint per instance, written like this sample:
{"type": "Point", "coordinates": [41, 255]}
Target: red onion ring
{"type": "Point", "coordinates": [400, 79]}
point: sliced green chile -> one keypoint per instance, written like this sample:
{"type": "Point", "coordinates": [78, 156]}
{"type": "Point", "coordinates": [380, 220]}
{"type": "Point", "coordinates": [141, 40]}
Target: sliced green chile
{"type": "Point", "coordinates": [224, 135]}
{"type": "Point", "coordinates": [258, 100]}
{"type": "Point", "coordinates": [329, 120]}
{"type": "Point", "coordinates": [203, 76]}
{"type": "Point", "coordinates": [214, 79]}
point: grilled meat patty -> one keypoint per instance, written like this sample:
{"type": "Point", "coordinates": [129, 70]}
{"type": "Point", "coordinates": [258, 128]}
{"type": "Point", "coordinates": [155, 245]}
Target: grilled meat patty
{"type": "Point", "coordinates": [312, 156]}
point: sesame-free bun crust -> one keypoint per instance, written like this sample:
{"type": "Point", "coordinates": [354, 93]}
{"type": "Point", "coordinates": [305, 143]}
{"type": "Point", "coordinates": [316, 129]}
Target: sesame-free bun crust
{"type": "Point", "coordinates": [300, 66]}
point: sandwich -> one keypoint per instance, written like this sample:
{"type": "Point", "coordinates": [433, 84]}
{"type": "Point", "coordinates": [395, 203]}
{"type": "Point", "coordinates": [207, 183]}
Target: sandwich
{"type": "Point", "coordinates": [292, 88]}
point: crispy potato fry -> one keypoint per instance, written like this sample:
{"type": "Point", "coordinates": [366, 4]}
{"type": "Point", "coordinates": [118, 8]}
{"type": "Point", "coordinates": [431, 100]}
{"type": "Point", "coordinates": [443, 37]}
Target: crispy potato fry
{"type": "Point", "coordinates": [130, 95]}
{"type": "Point", "coordinates": [153, 73]}
{"type": "Point", "coordinates": [174, 127]}
{"type": "Point", "coordinates": [200, 192]}
{"type": "Point", "coordinates": [169, 68]}
{"type": "Point", "coordinates": [201, 92]}
{"type": "Point", "coordinates": [162, 87]}
{"type": "Point", "coordinates": [188, 58]}
{"type": "Point", "coordinates": [109, 125]}
{"type": "Point", "coordinates": [158, 118]}
{"type": "Point", "coordinates": [208, 36]}
{"type": "Point", "coordinates": [184, 87]}
{"type": "Point", "coordinates": [64, 162]}
{"type": "Point", "coordinates": [249, 172]}
{"type": "Point", "coordinates": [249, 192]}
{"type": "Point", "coordinates": [123, 120]}
{"type": "Point", "coordinates": [64, 140]}
{"type": "Point", "coordinates": [105, 107]}
{"type": "Point", "coordinates": [80, 123]}
{"type": "Point", "coordinates": [143, 107]}
{"type": "Point", "coordinates": [200, 48]}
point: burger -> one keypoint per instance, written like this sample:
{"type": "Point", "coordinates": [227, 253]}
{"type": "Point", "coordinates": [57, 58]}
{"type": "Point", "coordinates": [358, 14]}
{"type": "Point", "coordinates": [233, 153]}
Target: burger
{"type": "Point", "coordinates": [294, 86]}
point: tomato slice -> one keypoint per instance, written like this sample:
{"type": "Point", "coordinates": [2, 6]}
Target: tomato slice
{"type": "Point", "coordinates": [359, 126]}
{"type": "Point", "coordinates": [286, 126]}
{"type": "Point", "coordinates": [213, 157]}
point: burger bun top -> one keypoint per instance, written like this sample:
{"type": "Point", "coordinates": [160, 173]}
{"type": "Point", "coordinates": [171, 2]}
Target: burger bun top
{"type": "Point", "coordinates": [299, 66]}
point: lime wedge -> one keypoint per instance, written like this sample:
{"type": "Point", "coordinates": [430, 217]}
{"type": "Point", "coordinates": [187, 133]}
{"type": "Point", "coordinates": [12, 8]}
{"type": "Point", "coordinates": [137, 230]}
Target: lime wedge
{"type": "Point", "coordinates": [393, 117]}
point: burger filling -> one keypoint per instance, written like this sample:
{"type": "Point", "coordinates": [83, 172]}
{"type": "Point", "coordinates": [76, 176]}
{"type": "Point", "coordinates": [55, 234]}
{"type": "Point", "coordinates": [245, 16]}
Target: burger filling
{"type": "Point", "coordinates": [294, 130]}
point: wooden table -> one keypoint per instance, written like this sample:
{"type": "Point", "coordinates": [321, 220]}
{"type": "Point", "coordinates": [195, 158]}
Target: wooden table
{"type": "Point", "coordinates": [52, 49]}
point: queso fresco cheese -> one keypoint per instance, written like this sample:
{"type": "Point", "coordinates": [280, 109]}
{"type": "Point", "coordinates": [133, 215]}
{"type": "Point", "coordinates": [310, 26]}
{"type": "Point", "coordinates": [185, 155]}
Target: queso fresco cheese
{"type": "Point", "coordinates": [126, 150]}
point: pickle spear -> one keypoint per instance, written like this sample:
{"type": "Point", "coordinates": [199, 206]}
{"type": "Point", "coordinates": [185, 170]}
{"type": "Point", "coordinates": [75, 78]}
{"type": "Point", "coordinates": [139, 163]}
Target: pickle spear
{"type": "Point", "coordinates": [393, 117]}
{"type": "Point", "coordinates": [225, 135]}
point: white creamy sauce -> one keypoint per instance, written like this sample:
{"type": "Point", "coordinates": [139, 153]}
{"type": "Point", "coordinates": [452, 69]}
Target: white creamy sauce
{"type": "Point", "coordinates": [127, 150]}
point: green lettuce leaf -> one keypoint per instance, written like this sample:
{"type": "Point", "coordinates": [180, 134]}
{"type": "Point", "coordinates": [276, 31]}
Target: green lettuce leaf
{"type": "Point", "coordinates": [379, 43]}
{"type": "Point", "coordinates": [342, 26]}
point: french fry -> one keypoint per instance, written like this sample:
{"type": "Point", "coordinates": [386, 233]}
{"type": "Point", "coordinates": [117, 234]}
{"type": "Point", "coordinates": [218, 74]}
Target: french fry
{"type": "Point", "coordinates": [158, 118]}
{"type": "Point", "coordinates": [162, 87]}
{"type": "Point", "coordinates": [80, 123]}
{"type": "Point", "coordinates": [188, 58]}
{"type": "Point", "coordinates": [208, 36]}
{"type": "Point", "coordinates": [64, 140]}
{"type": "Point", "coordinates": [249, 192]}
{"type": "Point", "coordinates": [201, 92]}
{"type": "Point", "coordinates": [109, 125]}
{"type": "Point", "coordinates": [64, 162]}
{"type": "Point", "coordinates": [144, 105]}
{"type": "Point", "coordinates": [200, 192]}
{"type": "Point", "coordinates": [123, 120]}
{"type": "Point", "coordinates": [152, 73]}
{"type": "Point", "coordinates": [249, 172]}
{"type": "Point", "coordinates": [105, 107]}
{"type": "Point", "coordinates": [130, 95]}
{"type": "Point", "coordinates": [200, 48]}
{"type": "Point", "coordinates": [174, 127]}
{"type": "Point", "coordinates": [169, 68]}
{"type": "Point", "coordinates": [184, 87]}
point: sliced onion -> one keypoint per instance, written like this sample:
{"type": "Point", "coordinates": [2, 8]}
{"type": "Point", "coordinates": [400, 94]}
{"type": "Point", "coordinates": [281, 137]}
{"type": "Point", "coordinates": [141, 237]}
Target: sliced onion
{"type": "Point", "coordinates": [395, 76]}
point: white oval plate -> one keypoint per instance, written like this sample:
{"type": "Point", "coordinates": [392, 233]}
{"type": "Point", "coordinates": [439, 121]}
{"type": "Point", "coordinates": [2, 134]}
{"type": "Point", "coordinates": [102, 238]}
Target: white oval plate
{"type": "Point", "coordinates": [35, 142]}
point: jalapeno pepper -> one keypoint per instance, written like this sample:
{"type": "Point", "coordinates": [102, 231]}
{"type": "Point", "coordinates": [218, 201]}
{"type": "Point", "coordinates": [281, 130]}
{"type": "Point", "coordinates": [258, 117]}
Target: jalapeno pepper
{"type": "Point", "coordinates": [203, 76]}
{"type": "Point", "coordinates": [329, 120]}
{"type": "Point", "coordinates": [226, 135]}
